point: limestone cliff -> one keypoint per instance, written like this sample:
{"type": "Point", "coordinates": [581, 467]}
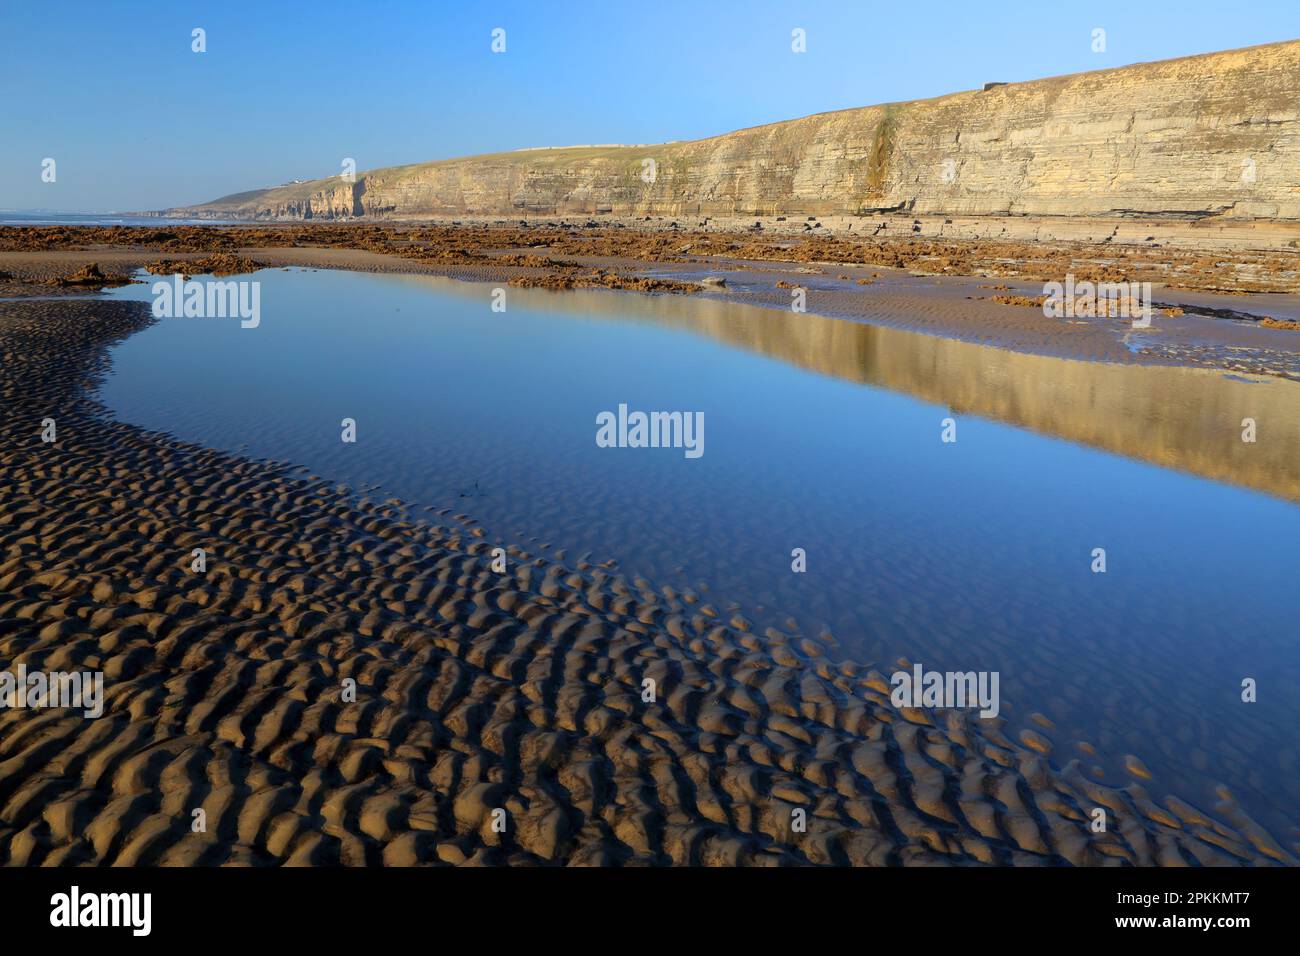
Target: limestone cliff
{"type": "Point", "coordinates": [1217, 134]}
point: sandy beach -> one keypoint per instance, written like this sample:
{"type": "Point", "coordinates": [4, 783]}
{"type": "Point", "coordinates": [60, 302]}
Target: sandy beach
{"type": "Point", "coordinates": [348, 683]}
{"type": "Point", "coordinates": [971, 288]}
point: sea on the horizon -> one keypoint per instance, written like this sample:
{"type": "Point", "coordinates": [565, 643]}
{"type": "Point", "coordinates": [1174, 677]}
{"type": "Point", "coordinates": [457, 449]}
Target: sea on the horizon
{"type": "Point", "coordinates": [42, 218]}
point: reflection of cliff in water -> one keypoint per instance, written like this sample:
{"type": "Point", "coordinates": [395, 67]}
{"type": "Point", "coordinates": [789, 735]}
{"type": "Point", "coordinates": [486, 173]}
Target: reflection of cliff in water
{"type": "Point", "coordinates": [1183, 418]}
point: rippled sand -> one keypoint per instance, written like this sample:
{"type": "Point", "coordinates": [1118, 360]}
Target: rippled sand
{"type": "Point", "coordinates": [475, 691]}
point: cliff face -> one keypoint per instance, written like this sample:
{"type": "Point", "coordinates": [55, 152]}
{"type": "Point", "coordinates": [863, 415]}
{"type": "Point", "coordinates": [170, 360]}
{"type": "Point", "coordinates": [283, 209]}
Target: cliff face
{"type": "Point", "coordinates": [1209, 135]}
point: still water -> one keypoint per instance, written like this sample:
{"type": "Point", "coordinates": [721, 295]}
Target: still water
{"type": "Point", "coordinates": [822, 435]}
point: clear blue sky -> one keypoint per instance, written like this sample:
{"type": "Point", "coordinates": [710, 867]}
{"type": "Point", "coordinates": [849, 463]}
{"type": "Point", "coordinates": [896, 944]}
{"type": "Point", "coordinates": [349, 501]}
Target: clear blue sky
{"type": "Point", "coordinates": [135, 120]}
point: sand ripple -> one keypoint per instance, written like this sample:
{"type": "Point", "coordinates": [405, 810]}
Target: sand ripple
{"type": "Point", "coordinates": [475, 692]}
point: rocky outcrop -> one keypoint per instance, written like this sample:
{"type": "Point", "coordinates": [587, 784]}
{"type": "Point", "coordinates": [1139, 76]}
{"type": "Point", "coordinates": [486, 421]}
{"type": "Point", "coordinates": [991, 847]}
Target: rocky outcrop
{"type": "Point", "coordinates": [1211, 135]}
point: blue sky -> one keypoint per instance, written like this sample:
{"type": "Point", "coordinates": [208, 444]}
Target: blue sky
{"type": "Point", "coordinates": [135, 120]}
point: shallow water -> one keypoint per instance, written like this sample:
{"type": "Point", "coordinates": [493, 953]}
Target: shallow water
{"type": "Point", "coordinates": [820, 434]}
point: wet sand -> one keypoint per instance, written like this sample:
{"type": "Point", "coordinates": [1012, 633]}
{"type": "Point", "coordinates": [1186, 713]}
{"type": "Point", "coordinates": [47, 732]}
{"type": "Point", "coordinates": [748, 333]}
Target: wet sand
{"type": "Point", "coordinates": [1216, 303]}
{"type": "Point", "coordinates": [475, 691]}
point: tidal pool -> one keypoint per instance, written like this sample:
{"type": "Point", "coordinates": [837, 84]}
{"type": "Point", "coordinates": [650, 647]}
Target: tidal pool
{"type": "Point", "coordinates": [823, 435]}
